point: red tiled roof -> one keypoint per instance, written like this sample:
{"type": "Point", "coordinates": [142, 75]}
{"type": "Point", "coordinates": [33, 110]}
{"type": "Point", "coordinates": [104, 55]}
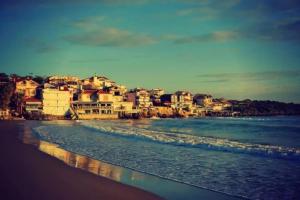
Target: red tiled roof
{"type": "Point", "coordinates": [32, 99]}
{"type": "Point", "coordinates": [102, 92]}
{"type": "Point", "coordinates": [32, 81]}
{"type": "Point", "coordinates": [89, 91]}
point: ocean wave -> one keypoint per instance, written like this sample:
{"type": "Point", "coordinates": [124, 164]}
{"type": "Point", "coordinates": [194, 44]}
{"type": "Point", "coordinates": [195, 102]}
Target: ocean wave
{"type": "Point", "coordinates": [180, 139]}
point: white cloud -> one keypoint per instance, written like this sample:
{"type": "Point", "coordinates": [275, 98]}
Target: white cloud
{"type": "Point", "coordinates": [112, 37]}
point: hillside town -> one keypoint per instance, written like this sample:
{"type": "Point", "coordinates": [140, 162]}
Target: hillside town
{"type": "Point", "coordinates": [98, 97]}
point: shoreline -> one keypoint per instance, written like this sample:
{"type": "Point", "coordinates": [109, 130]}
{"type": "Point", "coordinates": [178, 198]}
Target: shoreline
{"type": "Point", "coordinates": [188, 191]}
{"type": "Point", "coordinates": [27, 173]}
{"type": "Point", "coordinates": [158, 118]}
{"type": "Point", "coordinates": [143, 185]}
{"type": "Point", "coordinates": [142, 173]}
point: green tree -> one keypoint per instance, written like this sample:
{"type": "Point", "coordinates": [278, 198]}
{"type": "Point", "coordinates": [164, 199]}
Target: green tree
{"type": "Point", "coordinates": [39, 79]}
{"type": "Point", "coordinates": [6, 93]}
{"type": "Point", "coordinates": [16, 100]}
{"type": "Point", "coordinates": [4, 77]}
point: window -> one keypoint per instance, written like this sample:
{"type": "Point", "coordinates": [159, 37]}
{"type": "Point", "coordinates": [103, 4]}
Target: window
{"type": "Point", "coordinates": [87, 112]}
{"type": "Point", "coordinates": [95, 111]}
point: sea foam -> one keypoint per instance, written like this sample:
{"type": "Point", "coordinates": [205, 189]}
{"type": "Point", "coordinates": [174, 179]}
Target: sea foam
{"type": "Point", "coordinates": [175, 138]}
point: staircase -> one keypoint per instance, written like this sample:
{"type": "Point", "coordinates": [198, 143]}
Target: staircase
{"type": "Point", "coordinates": [74, 115]}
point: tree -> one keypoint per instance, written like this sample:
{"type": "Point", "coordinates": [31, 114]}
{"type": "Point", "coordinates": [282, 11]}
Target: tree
{"type": "Point", "coordinates": [6, 93]}
{"type": "Point", "coordinates": [39, 79]}
{"type": "Point", "coordinates": [4, 77]}
{"type": "Point", "coordinates": [16, 100]}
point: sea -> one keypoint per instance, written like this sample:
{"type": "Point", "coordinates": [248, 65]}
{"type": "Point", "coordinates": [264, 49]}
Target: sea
{"type": "Point", "coordinates": [246, 157]}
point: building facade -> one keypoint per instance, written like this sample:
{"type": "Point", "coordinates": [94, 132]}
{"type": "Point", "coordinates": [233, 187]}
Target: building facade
{"type": "Point", "coordinates": [26, 87]}
{"type": "Point", "coordinates": [33, 106]}
{"type": "Point", "coordinates": [140, 98]}
{"type": "Point", "coordinates": [56, 102]}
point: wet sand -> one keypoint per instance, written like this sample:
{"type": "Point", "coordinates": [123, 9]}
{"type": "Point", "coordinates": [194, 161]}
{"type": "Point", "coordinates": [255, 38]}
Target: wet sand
{"type": "Point", "coordinates": [26, 173]}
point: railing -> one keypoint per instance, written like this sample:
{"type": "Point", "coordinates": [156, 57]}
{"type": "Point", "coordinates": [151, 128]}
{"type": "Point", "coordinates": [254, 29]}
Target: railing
{"type": "Point", "coordinates": [92, 107]}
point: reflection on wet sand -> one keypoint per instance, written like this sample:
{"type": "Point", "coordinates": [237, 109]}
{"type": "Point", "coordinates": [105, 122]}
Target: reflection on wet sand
{"type": "Point", "coordinates": [27, 137]}
{"type": "Point", "coordinates": [81, 162]}
{"type": "Point", "coordinates": [72, 159]}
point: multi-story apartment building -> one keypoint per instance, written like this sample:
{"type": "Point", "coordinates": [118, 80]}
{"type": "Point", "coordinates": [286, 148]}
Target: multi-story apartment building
{"type": "Point", "coordinates": [184, 97]}
{"type": "Point", "coordinates": [140, 98]}
{"type": "Point", "coordinates": [94, 104]}
{"type": "Point", "coordinates": [56, 102]}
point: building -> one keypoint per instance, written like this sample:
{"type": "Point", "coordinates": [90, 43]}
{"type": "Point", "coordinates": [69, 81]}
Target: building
{"type": "Point", "coordinates": [169, 100]}
{"type": "Point", "coordinates": [94, 104]}
{"type": "Point", "coordinates": [220, 105]}
{"type": "Point", "coordinates": [124, 108]}
{"type": "Point", "coordinates": [97, 82]}
{"type": "Point", "coordinates": [203, 99]}
{"type": "Point", "coordinates": [184, 97]}
{"type": "Point", "coordinates": [217, 107]}
{"type": "Point", "coordinates": [155, 95]}
{"type": "Point", "coordinates": [4, 114]}
{"type": "Point", "coordinates": [93, 110]}
{"type": "Point", "coordinates": [33, 106]}
{"type": "Point", "coordinates": [56, 102]}
{"type": "Point", "coordinates": [139, 97]}
{"type": "Point", "coordinates": [26, 87]}
{"type": "Point", "coordinates": [117, 90]}
{"type": "Point", "coordinates": [105, 96]}
{"type": "Point", "coordinates": [59, 80]}
{"type": "Point", "coordinates": [88, 96]}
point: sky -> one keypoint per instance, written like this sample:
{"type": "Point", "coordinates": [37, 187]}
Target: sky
{"type": "Point", "coordinates": [236, 49]}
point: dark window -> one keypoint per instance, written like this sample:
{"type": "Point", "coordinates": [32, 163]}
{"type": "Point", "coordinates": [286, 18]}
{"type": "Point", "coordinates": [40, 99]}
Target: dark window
{"type": "Point", "coordinates": [95, 111]}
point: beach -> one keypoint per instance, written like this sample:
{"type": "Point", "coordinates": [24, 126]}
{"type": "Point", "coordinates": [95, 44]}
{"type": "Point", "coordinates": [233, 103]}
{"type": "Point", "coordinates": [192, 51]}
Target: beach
{"type": "Point", "coordinates": [178, 159]}
{"type": "Point", "coordinates": [27, 173]}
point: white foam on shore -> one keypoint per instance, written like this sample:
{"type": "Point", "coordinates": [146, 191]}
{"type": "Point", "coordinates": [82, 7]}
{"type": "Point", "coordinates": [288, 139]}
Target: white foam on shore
{"type": "Point", "coordinates": [175, 138]}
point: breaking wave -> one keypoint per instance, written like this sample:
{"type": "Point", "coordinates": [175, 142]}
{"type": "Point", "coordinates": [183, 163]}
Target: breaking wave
{"type": "Point", "coordinates": [181, 139]}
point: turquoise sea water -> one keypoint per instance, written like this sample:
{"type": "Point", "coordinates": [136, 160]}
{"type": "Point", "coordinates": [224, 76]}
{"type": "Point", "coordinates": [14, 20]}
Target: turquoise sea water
{"type": "Point", "coordinates": [257, 158]}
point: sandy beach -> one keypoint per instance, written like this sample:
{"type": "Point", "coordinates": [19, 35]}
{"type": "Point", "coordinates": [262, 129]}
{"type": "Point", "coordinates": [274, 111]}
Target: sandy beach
{"type": "Point", "coordinates": [27, 173]}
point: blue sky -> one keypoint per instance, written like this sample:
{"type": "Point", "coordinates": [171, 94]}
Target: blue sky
{"type": "Point", "coordinates": [232, 48]}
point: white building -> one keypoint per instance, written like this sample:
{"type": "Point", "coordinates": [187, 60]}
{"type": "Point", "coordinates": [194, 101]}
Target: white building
{"type": "Point", "coordinates": [57, 80]}
{"type": "Point", "coordinates": [56, 102]}
{"type": "Point", "coordinates": [97, 82]}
